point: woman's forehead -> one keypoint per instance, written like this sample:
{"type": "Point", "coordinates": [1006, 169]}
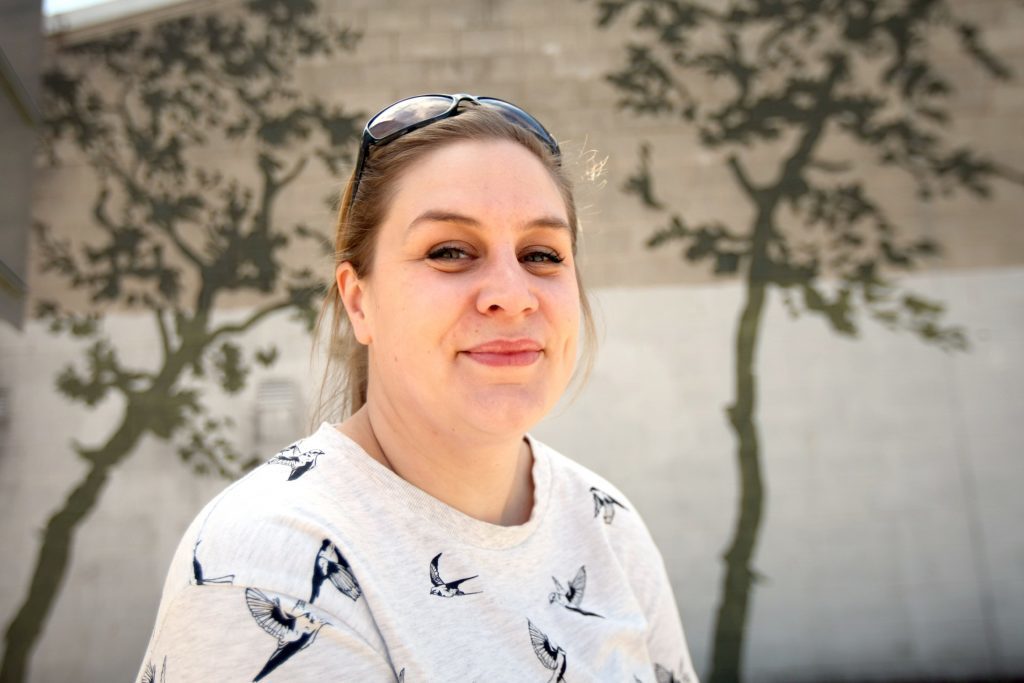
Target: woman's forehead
{"type": "Point", "coordinates": [480, 180]}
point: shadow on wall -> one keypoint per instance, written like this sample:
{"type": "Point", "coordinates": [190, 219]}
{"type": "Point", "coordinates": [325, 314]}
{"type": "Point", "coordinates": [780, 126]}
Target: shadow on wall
{"type": "Point", "coordinates": [936, 680]}
{"type": "Point", "coordinates": [174, 237]}
{"type": "Point", "coordinates": [803, 74]}
{"type": "Point", "coordinates": [175, 234]}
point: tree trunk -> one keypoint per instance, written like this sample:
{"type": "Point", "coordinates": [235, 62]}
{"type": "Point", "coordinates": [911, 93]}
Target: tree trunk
{"type": "Point", "coordinates": [731, 621]}
{"type": "Point", "coordinates": [24, 630]}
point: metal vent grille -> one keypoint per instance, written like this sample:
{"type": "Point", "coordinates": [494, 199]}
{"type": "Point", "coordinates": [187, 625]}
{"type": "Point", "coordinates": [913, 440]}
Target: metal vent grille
{"type": "Point", "coordinates": [277, 413]}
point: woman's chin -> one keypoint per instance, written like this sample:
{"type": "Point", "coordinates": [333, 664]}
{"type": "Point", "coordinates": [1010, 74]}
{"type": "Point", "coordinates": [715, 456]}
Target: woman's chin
{"type": "Point", "coordinates": [508, 409]}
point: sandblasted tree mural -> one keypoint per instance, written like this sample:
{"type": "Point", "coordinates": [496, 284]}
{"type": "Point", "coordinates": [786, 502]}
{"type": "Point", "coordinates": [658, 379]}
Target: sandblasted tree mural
{"type": "Point", "coordinates": [173, 232]}
{"type": "Point", "coordinates": [783, 80]}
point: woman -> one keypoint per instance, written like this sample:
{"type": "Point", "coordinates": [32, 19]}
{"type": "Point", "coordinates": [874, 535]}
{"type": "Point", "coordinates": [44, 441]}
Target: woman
{"type": "Point", "coordinates": [427, 537]}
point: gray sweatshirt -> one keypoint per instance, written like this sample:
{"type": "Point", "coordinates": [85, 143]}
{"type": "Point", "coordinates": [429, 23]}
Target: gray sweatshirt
{"type": "Point", "coordinates": [324, 565]}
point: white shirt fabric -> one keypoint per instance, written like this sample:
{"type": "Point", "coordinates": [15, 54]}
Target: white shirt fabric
{"type": "Point", "coordinates": [324, 565]}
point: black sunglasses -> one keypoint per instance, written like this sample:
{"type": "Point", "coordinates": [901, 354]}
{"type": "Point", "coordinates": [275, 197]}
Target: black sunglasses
{"type": "Point", "coordinates": [412, 113]}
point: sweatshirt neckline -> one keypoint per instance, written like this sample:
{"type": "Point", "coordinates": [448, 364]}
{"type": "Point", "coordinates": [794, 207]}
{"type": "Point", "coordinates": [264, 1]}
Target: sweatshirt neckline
{"type": "Point", "coordinates": [442, 516]}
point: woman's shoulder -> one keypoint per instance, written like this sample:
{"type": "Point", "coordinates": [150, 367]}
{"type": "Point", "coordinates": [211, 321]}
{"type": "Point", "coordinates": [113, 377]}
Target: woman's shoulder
{"type": "Point", "coordinates": [287, 481]}
{"type": "Point", "coordinates": [577, 487]}
{"type": "Point", "coordinates": [598, 521]}
{"type": "Point", "coordinates": [269, 526]}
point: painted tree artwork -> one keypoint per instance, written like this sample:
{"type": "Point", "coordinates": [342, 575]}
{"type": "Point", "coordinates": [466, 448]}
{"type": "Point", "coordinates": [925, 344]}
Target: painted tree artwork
{"type": "Point", "coordinates": [785, 80]}
{"type": "Point", "coordinates": [172, 233]}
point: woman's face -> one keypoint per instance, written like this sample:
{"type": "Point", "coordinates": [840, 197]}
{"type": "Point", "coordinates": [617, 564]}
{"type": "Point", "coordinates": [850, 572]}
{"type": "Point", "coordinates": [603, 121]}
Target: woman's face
{"type": "Point", "coordinates": [471, 309]}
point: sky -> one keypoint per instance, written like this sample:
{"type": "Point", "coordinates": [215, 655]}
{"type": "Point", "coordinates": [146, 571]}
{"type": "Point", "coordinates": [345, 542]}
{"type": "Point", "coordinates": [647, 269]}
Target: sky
{"type": "Point", "coordinates": [51, 7]}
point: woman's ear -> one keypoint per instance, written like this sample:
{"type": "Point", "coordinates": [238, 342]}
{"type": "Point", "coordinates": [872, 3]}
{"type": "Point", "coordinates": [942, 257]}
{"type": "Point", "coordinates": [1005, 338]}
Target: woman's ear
{"type": "Point", "coordinates": [353, 294]}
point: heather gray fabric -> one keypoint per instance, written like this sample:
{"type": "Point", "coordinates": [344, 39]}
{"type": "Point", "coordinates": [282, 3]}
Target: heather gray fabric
{"type": "Point", "coordinates": [323, 565]}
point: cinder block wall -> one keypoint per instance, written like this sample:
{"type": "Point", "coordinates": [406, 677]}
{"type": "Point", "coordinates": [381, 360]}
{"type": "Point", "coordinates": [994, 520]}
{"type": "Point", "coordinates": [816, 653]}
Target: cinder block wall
{"type": "Point", "coordinates": [889, 546]}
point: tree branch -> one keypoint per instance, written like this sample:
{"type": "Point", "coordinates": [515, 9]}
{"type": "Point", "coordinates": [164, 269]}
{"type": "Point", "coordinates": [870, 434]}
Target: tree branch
{"type": "Point", "coordinates": [741, 176]}
{"type": "Point", "coordinates": [248, 323]}
{"type": "Point", "coordinates": [165, 339]}
{"type": "Point", "coordinates": [183, 248]}
{"type": "Point", "coordinates": [291, 175]}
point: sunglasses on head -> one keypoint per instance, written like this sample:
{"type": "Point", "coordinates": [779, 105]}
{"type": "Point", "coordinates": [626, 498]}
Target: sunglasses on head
{"type": "Point", "coordinates": [416, 112]}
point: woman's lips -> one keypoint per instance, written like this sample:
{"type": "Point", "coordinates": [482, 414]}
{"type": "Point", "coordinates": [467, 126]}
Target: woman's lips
{"type": "Point", "coordinates": [506, 352]}
{"type": "Point", "coordinates": [518, 358]}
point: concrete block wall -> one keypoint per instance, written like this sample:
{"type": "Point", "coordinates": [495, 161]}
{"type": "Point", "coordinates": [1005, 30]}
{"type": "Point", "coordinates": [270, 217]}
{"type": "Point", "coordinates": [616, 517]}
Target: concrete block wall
{"type": "Point", "coordinates": [20, 48]}
{"type": "Point", "coordinates": [889, 548]}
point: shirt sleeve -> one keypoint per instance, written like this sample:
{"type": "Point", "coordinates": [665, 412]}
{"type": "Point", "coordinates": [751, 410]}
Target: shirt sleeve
{"type": "Point", "coordinates": [645, 565]}
{"type": "Point", "coordinates": [666, 641]}
{"type": "Point", "coordinates": [237, 633]}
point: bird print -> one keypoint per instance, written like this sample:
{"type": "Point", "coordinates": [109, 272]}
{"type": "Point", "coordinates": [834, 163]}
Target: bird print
{"type": "Point", "coordinates": [604, 504]}
{"type": "Point", "coordinates": [571, 598]}
{"type": "Point", "coordinates": [197, 570]}
{"type": "Point", "coordinates": [149, 675]}
{"type": "Point", "coordinates": [549, 654]}
{"type": "Point", "coordinates": [299, 460]}
{"type": "Point", "coordinates": [446, 589]}
{"type": "Point", "coordinates": [295, 629]}
{"type": "Point", "coordinates": [331, 566]}
{"type": "Point", "coordinates": [668, 676]}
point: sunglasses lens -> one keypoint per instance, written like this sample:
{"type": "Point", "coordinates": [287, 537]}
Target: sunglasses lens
{"type": "Point", "coordinates": [401, 115]}
{"type": "Point", "coordinates": [521, 118]}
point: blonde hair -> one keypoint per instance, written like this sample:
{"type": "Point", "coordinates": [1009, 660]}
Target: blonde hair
{"type": "Point", "coordinates": [344, 384]}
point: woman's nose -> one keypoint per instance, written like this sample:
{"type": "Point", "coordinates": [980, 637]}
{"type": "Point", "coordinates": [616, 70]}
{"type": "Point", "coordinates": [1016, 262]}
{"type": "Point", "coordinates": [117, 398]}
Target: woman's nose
{"type": "Point", "coordinates": [506, 286]}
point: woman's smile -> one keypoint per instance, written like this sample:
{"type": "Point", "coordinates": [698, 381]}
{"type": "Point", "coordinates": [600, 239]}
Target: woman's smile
{"type": "Point", "coordinates": [506, 352]}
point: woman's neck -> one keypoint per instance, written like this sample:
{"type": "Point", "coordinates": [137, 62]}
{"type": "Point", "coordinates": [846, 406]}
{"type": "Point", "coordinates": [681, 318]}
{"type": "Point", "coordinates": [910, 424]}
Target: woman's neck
{"type": "Point", "coordinates": [487, 479]}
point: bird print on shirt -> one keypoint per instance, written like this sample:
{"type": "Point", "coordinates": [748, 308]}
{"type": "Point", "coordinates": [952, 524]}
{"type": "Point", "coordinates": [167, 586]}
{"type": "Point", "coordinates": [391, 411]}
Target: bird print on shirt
{"type": "Point", "coordinates": [298, 460]}
{"type": "Point", "coordinates": [665, 675]}
{"type": "Point", "coordinates": [446, 589]}
{"type": "Point", "coordinates": [550, 655]}
{"type": "Point", "coordinates": [149, 675]}
{"type": "Point", "coordinates": [295, 629]}
{"type": "Point", "coordinates": [604, 504]}
{"type": "Point", "coordinates": [197, 570]}
{"type": "Point", "coordinates": [571, 598]}
{"type": "Point", "coordinates": [330, 565]}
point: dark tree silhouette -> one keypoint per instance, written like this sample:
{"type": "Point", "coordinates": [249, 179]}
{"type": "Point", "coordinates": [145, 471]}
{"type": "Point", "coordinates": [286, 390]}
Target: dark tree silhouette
{"type": "Point", "coordinates": [785, 76]}
{"type": "Point", "coordinates": [165, 117]}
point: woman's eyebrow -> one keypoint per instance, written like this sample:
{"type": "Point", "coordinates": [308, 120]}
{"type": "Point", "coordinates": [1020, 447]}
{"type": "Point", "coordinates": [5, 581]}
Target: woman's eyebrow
{"type": "Point", "coordinates": [440, 216]}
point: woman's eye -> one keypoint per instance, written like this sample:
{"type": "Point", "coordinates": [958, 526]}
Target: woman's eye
{"type": "Point", "coordinates": [448, 253]}
{"type": "Point", "coordinates": [542, 256]}
{"type": "Point", "coordinates": [456, 253]}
